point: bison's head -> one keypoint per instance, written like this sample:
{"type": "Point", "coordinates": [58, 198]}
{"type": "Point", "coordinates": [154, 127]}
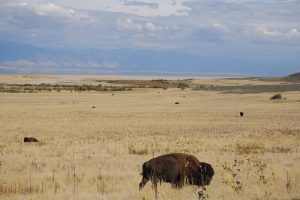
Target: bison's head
{"type": "Point", "coordinates": [205, 174]}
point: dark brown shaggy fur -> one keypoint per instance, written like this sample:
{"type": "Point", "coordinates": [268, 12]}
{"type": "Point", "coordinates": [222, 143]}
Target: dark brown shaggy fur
{"type": "Point", "coordinates": [30, 139]}
{"type": "Point", "coordinates": [179, 169]}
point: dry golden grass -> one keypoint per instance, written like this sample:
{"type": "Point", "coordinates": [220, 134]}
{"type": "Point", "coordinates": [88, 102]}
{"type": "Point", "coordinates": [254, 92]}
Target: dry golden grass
{"type": "Point", "coordinates": [97, 153]}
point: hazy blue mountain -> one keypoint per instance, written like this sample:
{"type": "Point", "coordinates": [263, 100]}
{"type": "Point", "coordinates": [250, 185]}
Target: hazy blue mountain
{"type": "Point", "coordinates": [25, 58]}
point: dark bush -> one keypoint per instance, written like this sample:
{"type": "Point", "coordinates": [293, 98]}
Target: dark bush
{"type": "Point", "coordinates": [276, 96]}
{"type": "Point", "coordinates": [182, 85]}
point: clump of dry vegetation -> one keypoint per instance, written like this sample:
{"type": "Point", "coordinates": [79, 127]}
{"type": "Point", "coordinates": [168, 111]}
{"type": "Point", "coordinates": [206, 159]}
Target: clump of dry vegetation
{"type": "Point", "coordinates": [252, 147]}
{"type": "Point", "coordinates": [132, 149]}
{"type": "Point", "coordinates": [113, 85]}
{"type": "Point", "coordinates": [33, 88]}
{"type": "Point", "coordinates": [202, 194]}
{"type": "Point", "coordinates": [158, 83]}
{"type": "Point", "coordinates": [183, 85]}
{"type": "Point", "coordinates": [276, 96]}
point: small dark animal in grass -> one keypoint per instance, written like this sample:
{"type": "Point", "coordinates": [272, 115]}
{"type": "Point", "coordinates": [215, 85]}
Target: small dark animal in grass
{"type": "Point", "coordinates": [176, 102]}
{"type": "Point", "coordinates": [30, 139]}
{"type": "Point", "coordinates": [179, 169]}
{"type": "Point", "coordinates": [94, 107]}
{"type": "Point", "coordinates": [241, 114]}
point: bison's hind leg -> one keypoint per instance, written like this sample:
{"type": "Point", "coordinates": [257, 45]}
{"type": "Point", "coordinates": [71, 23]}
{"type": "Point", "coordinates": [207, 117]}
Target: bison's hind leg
{"type": "Point", "coordinates": [177, 185]}
{"type": "Point", "coordinates": [179, 181]}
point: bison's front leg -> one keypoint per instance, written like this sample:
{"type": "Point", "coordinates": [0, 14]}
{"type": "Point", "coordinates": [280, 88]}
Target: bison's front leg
{"type": "Point", "coordinates": [143, 182]}
{"type": "Point", "coordinates": [154, 185]}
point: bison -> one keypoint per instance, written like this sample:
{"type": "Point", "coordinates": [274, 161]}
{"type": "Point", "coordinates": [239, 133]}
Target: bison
{"type": "Point", "coordinates": [30, 139]}
{"type": "Point", "coordinates": [179, 169]}
{"type": "Point", "coordinates": [241, 114]}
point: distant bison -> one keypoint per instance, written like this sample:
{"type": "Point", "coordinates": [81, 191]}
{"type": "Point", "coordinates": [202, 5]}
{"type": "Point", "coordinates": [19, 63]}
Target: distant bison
{"type": "Point", "coordinates": [179, 169]}
{"type": "Point", "coordinates": [241, 114]}
{"type": "Point", "coordinates": [30, 139]}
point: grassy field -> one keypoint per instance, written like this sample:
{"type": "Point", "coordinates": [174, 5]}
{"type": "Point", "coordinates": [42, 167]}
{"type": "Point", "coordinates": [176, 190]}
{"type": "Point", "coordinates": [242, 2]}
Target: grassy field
{"type": "Point", "coordinates": [93, 143]}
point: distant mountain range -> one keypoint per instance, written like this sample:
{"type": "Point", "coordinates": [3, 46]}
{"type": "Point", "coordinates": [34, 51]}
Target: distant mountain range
{"type": "Point", "coordinates": [16, 58]}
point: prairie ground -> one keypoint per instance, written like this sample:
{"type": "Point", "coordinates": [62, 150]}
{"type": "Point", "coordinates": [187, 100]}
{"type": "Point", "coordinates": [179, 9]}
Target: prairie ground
{"type": "Point", "coordinates": [94, 143]}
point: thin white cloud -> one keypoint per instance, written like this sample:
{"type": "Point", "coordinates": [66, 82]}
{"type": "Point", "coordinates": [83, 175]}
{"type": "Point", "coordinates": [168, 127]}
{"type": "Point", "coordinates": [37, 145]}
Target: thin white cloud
{"type": "Point", "coordinates": [152, 27]}
{"type": "Point", "coordinates": [293, 33]}
{"type": "Point", "coordinates": [129, 24]}
{"type": "Point", "coordinates": [264, 31]}
{"type": "Point", "coordinates": [220, 27]}
{"type": "Point", "coordinates": [145, 8]}
{"type": "Point", "coordinates": [51, 10]}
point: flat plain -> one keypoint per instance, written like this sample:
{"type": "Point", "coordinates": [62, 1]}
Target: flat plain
{"type": "Point", "coordinates": [93, 143]}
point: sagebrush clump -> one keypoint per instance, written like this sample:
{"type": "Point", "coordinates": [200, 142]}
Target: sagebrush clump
{"type": "Point", "coordinates": [276, 96]}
